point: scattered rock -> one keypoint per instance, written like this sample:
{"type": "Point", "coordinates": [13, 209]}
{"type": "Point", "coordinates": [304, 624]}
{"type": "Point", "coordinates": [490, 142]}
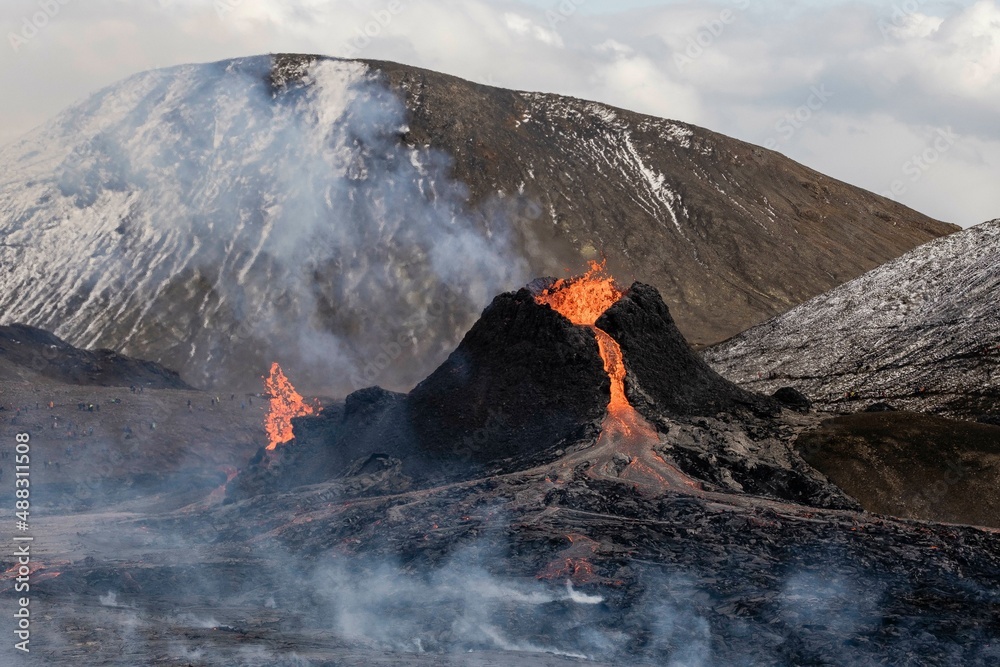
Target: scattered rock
{"type": "Point", "coordinates": [880, 407]}
{"type": "Point", "coordinates": [793, 399]}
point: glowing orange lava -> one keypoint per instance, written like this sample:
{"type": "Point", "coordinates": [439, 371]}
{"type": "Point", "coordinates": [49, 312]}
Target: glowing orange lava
{"type": "Point", "coordinates": [286, 403]}
{"type": "Point", "coordinates": [577, 570]}
{"type": "Point", "coordinates": [582, 301]}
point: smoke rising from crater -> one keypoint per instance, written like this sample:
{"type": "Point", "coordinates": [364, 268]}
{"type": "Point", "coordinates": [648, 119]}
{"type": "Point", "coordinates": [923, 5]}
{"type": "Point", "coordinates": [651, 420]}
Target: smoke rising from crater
{"type": "Point", "coordinates": [252, 222]}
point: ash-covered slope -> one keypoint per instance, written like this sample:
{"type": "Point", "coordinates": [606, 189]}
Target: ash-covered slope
{"type": "Point", "coordinates": [921, 332]}
{"type": "Point", "coordinates": [27, 351]}
{"type": "Point", "coordinates": [351, 218]}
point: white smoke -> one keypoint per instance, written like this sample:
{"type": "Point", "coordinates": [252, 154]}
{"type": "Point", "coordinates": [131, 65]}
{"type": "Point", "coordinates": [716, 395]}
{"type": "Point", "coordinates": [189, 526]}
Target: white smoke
{"type": "Point", "coordinates": [199, 216]}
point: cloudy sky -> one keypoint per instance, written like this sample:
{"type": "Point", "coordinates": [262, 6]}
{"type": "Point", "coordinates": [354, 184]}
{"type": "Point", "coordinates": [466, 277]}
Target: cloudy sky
{"type": "Point", "coordinates": [901, 96]}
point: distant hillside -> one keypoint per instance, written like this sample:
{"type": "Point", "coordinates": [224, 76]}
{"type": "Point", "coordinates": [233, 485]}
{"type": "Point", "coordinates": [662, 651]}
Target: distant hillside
{"type": "Point", "coordinates": [351, 219]}
{"type": "Point", "coordinates": [26, 352]}
{"type": "Point", "coordinates": [921, 332]}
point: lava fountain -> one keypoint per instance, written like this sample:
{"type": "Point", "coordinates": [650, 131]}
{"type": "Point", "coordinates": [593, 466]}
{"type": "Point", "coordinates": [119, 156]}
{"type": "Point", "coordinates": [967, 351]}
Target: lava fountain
{"type": "Point", "coordinates": [286, 403]}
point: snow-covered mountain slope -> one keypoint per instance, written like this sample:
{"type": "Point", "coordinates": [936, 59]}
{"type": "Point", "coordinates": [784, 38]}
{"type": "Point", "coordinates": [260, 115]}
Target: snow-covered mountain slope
{"type": "Point", "coordinates": [920, 332]}
{"type": "Point", "coordinates": [350, 219]}
{"type": "Point", "coordinates": [187, 214]}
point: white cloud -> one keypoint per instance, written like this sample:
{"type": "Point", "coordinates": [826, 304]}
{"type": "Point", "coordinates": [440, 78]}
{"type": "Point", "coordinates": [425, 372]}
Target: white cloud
{"type": "Point", "coordinates": [894, 76]}
{"type": "Point", "coordinates": [635, 82]}
{"type": "Point", "coordinates": [526, 27]}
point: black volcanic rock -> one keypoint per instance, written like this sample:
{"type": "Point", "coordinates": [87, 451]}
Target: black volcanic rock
{"type": "Point", "coordinates": [792, 398]}
{"type": "Point", "coordinates": [664, 375]}
{"type": "Point", "coordinates": [39, 351]}
{"type": "Point", "coordinates": [337, 443]}
{"type": "Point", "coordinates": [522, 381]}
{"type": "Point", "coordinates": [526, 384]}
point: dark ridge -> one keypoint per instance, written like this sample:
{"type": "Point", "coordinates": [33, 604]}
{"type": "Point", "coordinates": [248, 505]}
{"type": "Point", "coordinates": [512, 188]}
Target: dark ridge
{"type": "Point", "coordinates": [664, 375]}
{"type": "Point", "coordinates": [881, 406]}
{"type": "Point", "coordinates": [41, 352]}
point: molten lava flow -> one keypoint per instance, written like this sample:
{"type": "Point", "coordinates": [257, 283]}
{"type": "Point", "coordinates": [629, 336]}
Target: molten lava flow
{"type": "Point", "coordinates": [582, 301]}
{"type": "Point", "coordinates": [611, 353]}
{"type": "Point", "coordinates": [624, 431]}
{"type": "Point", "coordinates": [577, 570]}
{"type": "Point", "coordinates": [286, 403]}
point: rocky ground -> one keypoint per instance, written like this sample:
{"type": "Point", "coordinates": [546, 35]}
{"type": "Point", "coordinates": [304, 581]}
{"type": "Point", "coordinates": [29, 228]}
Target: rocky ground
{"type": "Point", "coordinates": [688, 531]}
{"type": "Point", "coordinates": [106, 428]}
{"type": "Point", "coordinates": [574, 558]}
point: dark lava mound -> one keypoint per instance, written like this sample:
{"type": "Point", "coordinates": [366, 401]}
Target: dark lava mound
{"type": "Point", "coordinates": [523, 381]}
{"type": "Point", "coordinates": [524, 386]}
